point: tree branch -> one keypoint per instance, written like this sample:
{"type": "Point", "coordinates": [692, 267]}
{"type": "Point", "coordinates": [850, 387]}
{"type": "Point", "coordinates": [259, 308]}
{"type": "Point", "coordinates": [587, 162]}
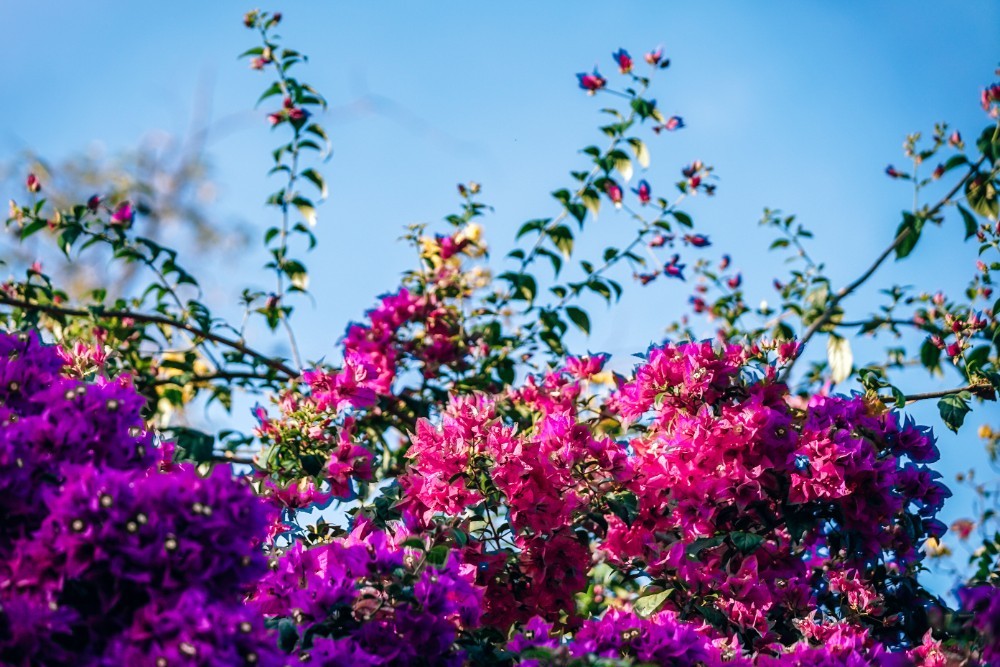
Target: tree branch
{"type": "Point", "coordinates": [99, 312]}
{"type": "Point", "coordinates": [983, 391]}
{"type": "Point", "coordinates": [849, 289]}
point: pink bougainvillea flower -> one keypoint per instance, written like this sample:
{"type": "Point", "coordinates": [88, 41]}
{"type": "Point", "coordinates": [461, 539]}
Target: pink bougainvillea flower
{"type": "Point", "coordinates": [624, 60]}
{"type": "Point", "coordinates": [643, 192]}
{"type": "Point", "coordinates": [591, 82]}
{"type": "Point", "coordinates": [955, 140]}
{"type": "Point", "coordinates": [735, 281]}
{"type": "Point", "coordinates": [614, 192]}
{"type": "Point", "coordinates": [659, 241]}
{"type": "Point", "coordinates": [123, 214]}
{"type": "Point", "coordinates": [645, 278]}
{"type": "Point", "coordinates": [990, 98]}
{"type": "Point", "coordinates": [673, 123]}
{"type": "Point", "coordinates": [34, 185]}
{"type": "Point", "coordinates": [697, 240]}
{"type": "Point", "coordinates": [655, 56]}
{"type": "Point", "coordinates": [725, 262]}
{"type": "Point", "coordinates": [585, 367]}
{"type": "Point", "coordinates": [892, 172]}
{"type": "Point", "coordinates": [673, 268]}
{"type": "Point", "coordinates": [93, 202]}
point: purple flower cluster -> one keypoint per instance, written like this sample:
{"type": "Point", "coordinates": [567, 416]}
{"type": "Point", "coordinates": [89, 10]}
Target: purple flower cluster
{"type": "Point", "coordinates": [107, 560]}
{"type": "Point", "coordinates": [365, 599]}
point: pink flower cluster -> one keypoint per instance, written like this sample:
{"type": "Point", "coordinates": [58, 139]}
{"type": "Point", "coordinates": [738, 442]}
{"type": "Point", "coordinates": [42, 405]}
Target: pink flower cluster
{"type": "Point", "coordinates": [753, 511]}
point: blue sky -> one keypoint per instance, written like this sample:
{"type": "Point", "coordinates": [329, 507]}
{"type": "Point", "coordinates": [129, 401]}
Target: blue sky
{"type": "Point", "coordinates": [798, 105]}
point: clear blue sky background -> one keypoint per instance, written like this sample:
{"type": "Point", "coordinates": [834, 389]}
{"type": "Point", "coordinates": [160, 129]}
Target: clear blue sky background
{"type": "Point", "coordinates": [799, 105]}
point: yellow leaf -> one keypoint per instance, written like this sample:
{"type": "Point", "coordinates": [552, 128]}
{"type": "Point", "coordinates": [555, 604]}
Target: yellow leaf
{"type": "Point", "coordinates": [838, 352]}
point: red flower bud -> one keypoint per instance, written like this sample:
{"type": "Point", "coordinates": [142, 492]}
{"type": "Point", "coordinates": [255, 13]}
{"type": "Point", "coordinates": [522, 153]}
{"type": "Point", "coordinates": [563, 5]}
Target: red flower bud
{"type": "Point", "coordinates": [34, 185]}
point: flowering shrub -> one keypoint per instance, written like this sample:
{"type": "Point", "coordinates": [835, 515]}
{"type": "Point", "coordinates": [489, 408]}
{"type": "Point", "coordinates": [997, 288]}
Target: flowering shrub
{"type": "Point", "coordinates": [479, 494]}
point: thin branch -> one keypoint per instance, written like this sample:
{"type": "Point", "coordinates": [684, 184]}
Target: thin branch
{"type": "Point", "coordinates": [221, 375]}
{"type": "Point", "coordinates": [153, 319]}
{"type": "Point", "coordinates": [863, 278]}
{"type": "Point", "coordinates": [983, 391]}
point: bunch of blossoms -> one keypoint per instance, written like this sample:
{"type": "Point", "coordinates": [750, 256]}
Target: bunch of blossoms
{"type": "Point", "coordinates": [748, 509]}
{"type": "Point", "coordinates": [107, 559]}
{"type": "Point", "coordinates": [323, 443]}
{"type": "Point", "coordinates": [524, 494]}
{"type": "Point", "coordinates": [755, 510]}
{"type": "Point", "coordinates": [371, 597]}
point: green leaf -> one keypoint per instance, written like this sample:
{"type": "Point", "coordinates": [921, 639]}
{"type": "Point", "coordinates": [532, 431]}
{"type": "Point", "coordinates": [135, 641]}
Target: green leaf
{"type": "Point", "coordinates": [648, 605]}
{"type": "Point", "coordinates": [930, 357]}
{"type": "Point", "coordinates": [562, 238]}
{"type": "Point", "coordinates": [971, 226]}
{"type": "Point", "coordinates": [746, 542]}
{"type": "Point", "coordinates": [702, 543]}
{"type": "Point", "coordinates": [624, 166]}
{"type": "Point", "coordinates": [313, 177]}
{"type": "Point", "coordinates": [911, 227]}
{"type": "Point", "coordinates": [591, 200]}
{"type": "Point", "coordinates": [579, 318]}
{"type": "Point", "coordinates": [953, 410]}
{"type": "Point", "coordinates": [641, 152]}
{"type": "Point", "coordinates": [531, 226]}
{"type": "Point", "coordinates": [288, 635]}
{"type": "Point", "coordinates": [838, 351]}
{"type": "Point", "coordinates": [982, 197]}
{"type": "Point", "coordinates": [275, 89]}
{"type": "Point", "coordinates": [683, 218]}
{"type": "Point", "coordinates": [438, 555]}
{"type": "Point", "coordinates": [308, 212]}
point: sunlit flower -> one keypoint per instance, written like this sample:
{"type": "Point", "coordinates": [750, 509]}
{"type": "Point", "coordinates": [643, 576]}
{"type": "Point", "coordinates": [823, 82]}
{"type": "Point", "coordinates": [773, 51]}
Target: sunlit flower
{"type": "Point", "coordinates": [591, 82]}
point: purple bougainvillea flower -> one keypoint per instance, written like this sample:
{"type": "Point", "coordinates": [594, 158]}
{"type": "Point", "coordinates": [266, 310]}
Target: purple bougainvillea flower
{"type": "Point", "coordinates": [697, 240]}
{"type": "Point", "coordinates": [643, 192]}
{"type": "Point", "coordinates": [591, 82]}
{"type": "Point", "coordinates": [624, 60]}
{"type": "Point", "coordinates": [673, 268]}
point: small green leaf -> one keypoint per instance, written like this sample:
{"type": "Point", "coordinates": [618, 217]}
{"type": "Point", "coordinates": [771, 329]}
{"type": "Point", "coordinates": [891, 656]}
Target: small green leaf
{"type": "Point", "coordinates": [438, 555]}
{"type": "Point", "coordinates": [308, 213]}
{"type": "Point", "coordinates": [746, 542]}
{"type": "Point", "coordinates": [953, 410]}
{"type": "Point", "coordinates": [313, 177]}
{"type": "Point", "coordinates": [579, 318]}
{"type": "Point", "coordinates": [648, 605]}
{"type": "Point", "coordinates": [908, 234]}
{"type": "Point", "coordinates": [971, 226]}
